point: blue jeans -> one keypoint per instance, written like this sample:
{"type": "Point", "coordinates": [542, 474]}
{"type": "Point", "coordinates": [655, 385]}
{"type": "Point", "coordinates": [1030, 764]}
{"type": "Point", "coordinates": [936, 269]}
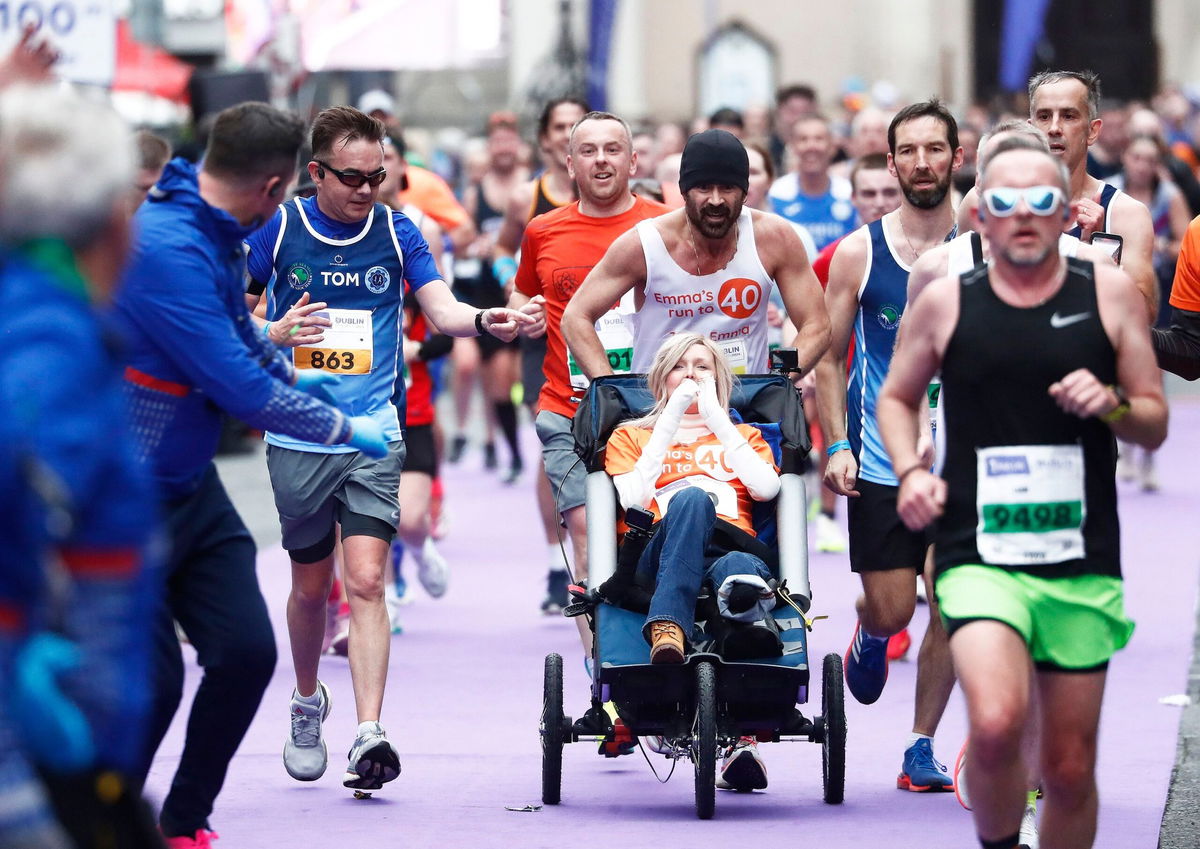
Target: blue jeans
{"type": "Point", "coordinates": [678, 555]}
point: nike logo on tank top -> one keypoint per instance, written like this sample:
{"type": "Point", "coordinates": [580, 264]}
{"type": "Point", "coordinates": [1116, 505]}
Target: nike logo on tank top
{"type": "Point", "coordinates": [728, 306]}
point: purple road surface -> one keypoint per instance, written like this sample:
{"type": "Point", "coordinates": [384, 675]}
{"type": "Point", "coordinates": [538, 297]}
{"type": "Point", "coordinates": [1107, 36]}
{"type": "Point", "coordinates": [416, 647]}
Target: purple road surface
{"type": "Point", "coordinates": [464, 697]}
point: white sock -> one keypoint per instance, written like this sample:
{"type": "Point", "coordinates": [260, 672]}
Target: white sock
{"type": "Point", "coordinates": [557, 560]}
{"type": "Point", "coordinates": [314, 699]}
{"type": "Point", "coordinates": [914, 737]}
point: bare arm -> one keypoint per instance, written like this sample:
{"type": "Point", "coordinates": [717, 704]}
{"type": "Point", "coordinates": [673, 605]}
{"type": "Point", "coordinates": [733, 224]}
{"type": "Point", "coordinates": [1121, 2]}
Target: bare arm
{"type": "Point", "coordinates": [516, 216]}
{"type": "Point", "coordinates": [1082, 394]}
{"type": "Point", "coordinates": [1131, 220]}
{"type": "Point", "coordinates": [1180, 216]}
{"type": "Point", "coordinates": [787, 262]}
{"type": "Point", "coordinates": [621, 268]}
{"type": "Point", "coordinates": [455, 318]}
{"type": "Point", "coordinates": [841, 300]}
{"type": "Point", "coordinates": [965, 217]}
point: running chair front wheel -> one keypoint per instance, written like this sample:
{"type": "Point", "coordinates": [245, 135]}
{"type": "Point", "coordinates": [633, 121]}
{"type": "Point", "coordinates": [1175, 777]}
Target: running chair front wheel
{"type": "Point", "coordinates": [552, 729]}
{"type": "Point", "coordinates": [704, 740]}
{"type": "Point", "coordinates": [833, 730]}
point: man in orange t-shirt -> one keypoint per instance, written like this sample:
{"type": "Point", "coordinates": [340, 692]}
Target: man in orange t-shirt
{"type": "Point", "coordinates": [558, 250]}
{"type": "Point", "coordinates": [1178, 348]}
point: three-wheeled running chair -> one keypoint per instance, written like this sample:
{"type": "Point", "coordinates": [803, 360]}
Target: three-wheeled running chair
{"type": "Point", "coordinates": [709, 701]}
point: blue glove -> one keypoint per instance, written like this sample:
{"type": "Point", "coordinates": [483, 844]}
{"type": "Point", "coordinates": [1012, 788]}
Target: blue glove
{"type": "Point", "coordinates": [318, 384]}
{"type": "Point", "coordinates": [367, 437]}
{"type": "Point", "coordinates": [53, 728]}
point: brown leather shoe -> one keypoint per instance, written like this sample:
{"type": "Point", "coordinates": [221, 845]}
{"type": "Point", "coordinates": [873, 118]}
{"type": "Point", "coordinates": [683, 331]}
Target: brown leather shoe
{"type": "Point", "coordinates": [666, 643]}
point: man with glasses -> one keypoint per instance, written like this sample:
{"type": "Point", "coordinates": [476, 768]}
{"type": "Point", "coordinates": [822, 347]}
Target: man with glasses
{"type": "Point", "coordinates": [353, 256]}
{"type": "Point", "coordinates": [1024, 583]}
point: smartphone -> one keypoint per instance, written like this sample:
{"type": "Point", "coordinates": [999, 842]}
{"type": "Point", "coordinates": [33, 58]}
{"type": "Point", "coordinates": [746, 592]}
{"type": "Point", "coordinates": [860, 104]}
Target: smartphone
{"type": "Point", "coordinates": [1110, 242]}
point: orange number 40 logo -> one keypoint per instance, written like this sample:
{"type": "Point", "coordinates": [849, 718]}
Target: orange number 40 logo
{"type": "Point", "coordinates": [739, 297]}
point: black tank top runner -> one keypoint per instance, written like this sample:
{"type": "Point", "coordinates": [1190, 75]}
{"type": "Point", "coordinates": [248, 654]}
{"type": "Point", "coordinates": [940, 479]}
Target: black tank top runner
{"type": "Point", "coordinates": [474, 281]}
{"type": "Point", "coordinates": [542, 202]}
{"type": "Point", "coordinates": [996, 373]}
{"type": "Point", "coordinates": [1106, 195]}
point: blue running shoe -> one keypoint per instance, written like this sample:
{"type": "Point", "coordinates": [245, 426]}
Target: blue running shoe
{"type": "Point", "coordinates": [922, 772]}
{"type": "Point", "coordinates": [866, 666]}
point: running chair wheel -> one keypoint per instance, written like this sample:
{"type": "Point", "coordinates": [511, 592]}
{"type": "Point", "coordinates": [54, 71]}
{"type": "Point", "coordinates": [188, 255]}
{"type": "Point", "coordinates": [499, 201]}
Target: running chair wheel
{"type": "Point", "coordinates": [552, 729]}
{"type": "Point", "coordinates": [704, 741]}
{"type": "Point", "coordinates": [833, 730]}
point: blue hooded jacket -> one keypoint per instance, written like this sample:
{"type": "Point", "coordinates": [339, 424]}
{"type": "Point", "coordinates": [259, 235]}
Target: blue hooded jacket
{"type": "Point", "coordinates": [193, 348]}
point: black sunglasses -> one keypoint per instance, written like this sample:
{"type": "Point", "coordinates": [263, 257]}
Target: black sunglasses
{"type": "Point", "coordinates": [353, 179]}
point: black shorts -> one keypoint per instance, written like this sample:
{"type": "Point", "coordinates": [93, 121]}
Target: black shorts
{"type": "Point", "coordinates": [422, 453]}
{"type": "Point", "coordinates": [483, 295]}
{"type": "Point", "coordinates": [533, 375]}
{"type": "Point", "coordinates": [879, 540]}
{"type": "Point", "coordinates": [489, 346]}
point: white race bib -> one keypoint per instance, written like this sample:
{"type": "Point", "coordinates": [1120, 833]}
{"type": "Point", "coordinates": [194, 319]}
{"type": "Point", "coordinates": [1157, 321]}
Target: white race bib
{"type": "Point", "coordinates": [723, 495]}
{"type": "Point", "coordinates": [346, 348]}
{"type": "Point", "coordinates": [615, 329]}
{"type": "Point", "coordinates": [1031, 504]}
{"type": "Point", "coordinates": [736, 354]}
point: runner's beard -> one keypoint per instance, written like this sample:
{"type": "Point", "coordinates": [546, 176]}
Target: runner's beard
{"type": "Point", "coordinates": [1030, 257]}
{"type": "Point", "coordinates": [710, 228]}
{"type": "Point", "coordinates": [926, 198]}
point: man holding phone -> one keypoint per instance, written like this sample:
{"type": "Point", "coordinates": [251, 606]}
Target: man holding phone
{"type": "Point", "coordinates": [1065, 105]}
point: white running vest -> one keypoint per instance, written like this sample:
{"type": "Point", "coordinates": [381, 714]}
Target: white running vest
{"type": "Point", "coordinates": [728, 306]}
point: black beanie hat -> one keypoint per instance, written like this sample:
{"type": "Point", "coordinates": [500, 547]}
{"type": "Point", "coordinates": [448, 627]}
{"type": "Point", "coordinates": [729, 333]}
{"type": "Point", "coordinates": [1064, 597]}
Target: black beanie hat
{"type": "Point", "coordinates": [714, 157]}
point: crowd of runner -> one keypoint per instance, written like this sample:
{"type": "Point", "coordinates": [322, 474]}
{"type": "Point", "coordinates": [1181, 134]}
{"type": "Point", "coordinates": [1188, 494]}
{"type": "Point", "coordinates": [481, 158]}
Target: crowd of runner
{"type": "Point", "coordinates": [160, 298]}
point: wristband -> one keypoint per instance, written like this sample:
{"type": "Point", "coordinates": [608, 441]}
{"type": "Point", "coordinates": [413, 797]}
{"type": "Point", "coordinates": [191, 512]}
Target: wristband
{"type": "Point", "coordinates": [840, 445]}
{"type": "Point", "coordinates": [1118, 412]}
{"type": "Point", "coordinates": [266, 329]}
{"type": "Point", "coordinates": [479, 322]}
{"type": "Point", "coordinates": [504, 268]}
{"type": "Point", "coordinates": [915, 467]}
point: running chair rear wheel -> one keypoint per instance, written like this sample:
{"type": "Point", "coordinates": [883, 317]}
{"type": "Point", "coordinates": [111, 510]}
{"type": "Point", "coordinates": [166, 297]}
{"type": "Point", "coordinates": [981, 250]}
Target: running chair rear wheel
{"type": "Point", "coordinates": [552, 730]}
{"type": "Point", "coordinates": [833, 730]}
{"type": "Point", "coordinates": [704, 741]}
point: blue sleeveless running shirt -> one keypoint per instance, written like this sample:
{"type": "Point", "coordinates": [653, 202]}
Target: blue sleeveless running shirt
{"type": "Point", "coordinates": [1106, 195]}
{"type": "Point", "coordinates": [881, 300]}
{"type": "Point", "coordinates": [828, 217]}
{"type": "Point", "coordinates": [361, 278]}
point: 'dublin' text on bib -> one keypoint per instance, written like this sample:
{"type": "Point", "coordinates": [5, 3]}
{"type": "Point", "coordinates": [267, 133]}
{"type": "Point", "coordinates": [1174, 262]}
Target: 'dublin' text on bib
{"type": "Point", "coordinates": [346, 348]}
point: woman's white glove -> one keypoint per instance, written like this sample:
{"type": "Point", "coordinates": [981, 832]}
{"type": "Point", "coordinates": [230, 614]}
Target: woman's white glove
{"type": "Point", "coordinates": [636, 487]}
{"type": "Point", "coordinates": [759, 476]}
{"type": "Point", "coordinates": [716, 417]}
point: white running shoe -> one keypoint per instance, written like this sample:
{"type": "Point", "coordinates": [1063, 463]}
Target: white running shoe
{"type": "Point", "coordinates": [657, 744]}
{"type": "Point", "coordinates": [1126, 467]}
{"type": "Point", "coordinates": [373, 760]}
{"type": "Point", "coordinates": [830, 537]}
{"type": "Point", "coordinates": [960, 777]}
{"type": "Point", "coordinates": [1029, 828]}
{"type": "Point", "coordinates": [1147, 476]}
{"type": "Point", "coordinates": [304, 754]}
{"type": "Point", "coordinates": [743, 768]}
{"type": "Point", "coordinates": [432, 569]}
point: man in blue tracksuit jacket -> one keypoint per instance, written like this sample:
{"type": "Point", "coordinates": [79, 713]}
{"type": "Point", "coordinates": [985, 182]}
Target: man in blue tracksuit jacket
{"type": "Point", "coordinates": [194, 351]}
{"type": "Point", "coordinates": [77, 576]}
